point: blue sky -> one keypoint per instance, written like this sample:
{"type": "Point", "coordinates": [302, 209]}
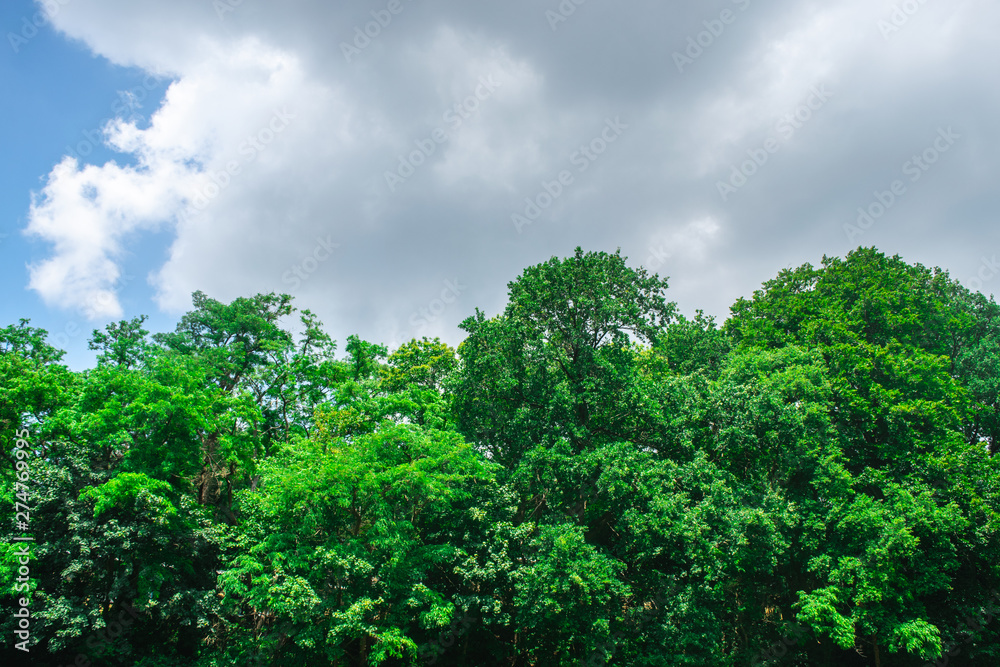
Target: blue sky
{"type": "Point", "coordinates": [54, 91]}
{"type": "Point", "coordinates": [393, 171]}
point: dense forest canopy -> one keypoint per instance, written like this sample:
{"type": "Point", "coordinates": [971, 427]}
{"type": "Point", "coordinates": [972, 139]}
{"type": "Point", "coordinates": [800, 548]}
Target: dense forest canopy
{"type": "Point", "coordinates": [590, 478]}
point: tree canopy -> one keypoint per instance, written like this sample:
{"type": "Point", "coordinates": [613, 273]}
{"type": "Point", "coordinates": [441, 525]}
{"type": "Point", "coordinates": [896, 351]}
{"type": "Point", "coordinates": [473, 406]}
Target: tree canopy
{"type": "Point", "coordinates": [589, 478]}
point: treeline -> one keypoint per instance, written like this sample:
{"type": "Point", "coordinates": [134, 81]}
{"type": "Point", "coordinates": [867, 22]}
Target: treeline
{"type": "Point", "coordinates": [590, 478]}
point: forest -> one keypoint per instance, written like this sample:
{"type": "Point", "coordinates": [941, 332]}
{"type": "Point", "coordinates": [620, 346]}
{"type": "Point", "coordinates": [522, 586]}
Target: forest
{"type": "Point", "coordinates": [590, 478]}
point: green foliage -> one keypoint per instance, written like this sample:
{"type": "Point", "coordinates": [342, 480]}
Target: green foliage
{"type": "Point", "coordinates": [33, 381]}
{"type": "Point", "coordinates": [130, 490]}
{"type": "Point", "coordinates": [591, 478]}
{"type": "Point", "coordinates": [425, 363]}
{"type": "Point", "coordinates": [558, 363]}
{"type": "Point", "coordinates": [345, 538]}
{"type": "Point", "coordinates": [124, 343]}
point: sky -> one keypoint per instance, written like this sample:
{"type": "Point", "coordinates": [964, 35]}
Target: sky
{"type": "Point", "coordinates": [393, 164]}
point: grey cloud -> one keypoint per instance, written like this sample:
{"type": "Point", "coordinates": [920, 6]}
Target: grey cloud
{"type": "Point", "coordinates": [451, 220]}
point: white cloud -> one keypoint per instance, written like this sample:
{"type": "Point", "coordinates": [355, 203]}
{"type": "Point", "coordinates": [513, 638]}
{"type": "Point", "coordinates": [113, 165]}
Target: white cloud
{"type": "Point", "coordinates": [226, 114]}
{"type": "Point", "coordinates": [85, 212]}
{"type": "Point", "coordinates": [344, 124]}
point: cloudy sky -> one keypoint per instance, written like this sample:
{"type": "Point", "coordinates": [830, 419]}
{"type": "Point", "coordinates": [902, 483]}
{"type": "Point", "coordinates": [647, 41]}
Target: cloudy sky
{"type": "Point", "coordinates": [394, 163]}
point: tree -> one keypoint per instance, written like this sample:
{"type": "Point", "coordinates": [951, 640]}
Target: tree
{"type": "Point", "coordinates": [124, 343]}
{"type": "Point", "coordinates": [347, 545]}
{"type": "Point", "coordinates": [595, 479]}
{"type": "Point", "coordinates": [557, 363]}
{"type": "Point", "coordinates": [888, 540]}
